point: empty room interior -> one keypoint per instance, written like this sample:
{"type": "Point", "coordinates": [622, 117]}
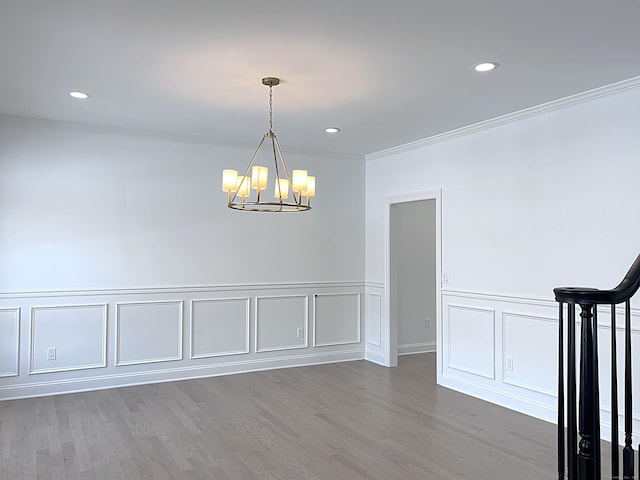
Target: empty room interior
{"type": "Point", "coordinates": [378, 302]}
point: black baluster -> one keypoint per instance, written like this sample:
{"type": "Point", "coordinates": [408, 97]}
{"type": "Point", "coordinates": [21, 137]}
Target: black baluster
{"type": "Point", "coordinates": [596, 398]}
{"type": "Point", "coordinates": [582, 448]}
{"type": "Point", "coordinates": [572, 427]}
{"type": "Point", "coordinates": [561, 394]}
{"type": "Point", "coordinates": [627, 452]}
{"type": "Point", "coordinates": [586, 447]}
{"type": "Point", "coordinates": [615, 451]}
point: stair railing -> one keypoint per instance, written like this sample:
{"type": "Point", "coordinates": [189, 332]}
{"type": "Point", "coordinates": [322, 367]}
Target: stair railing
{"type": "Point", "coordinates": [579, 454]}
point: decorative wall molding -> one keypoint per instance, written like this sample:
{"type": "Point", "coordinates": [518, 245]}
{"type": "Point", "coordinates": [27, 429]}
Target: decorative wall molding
{"type": "Point", "coordinates": [588, 96]}
{"type": "Point", "coordinates": [129, 354]}
{"type": "Point", "coordinates": [374, 319]}
{"type": "Point", "coordinates": [282, 320]}
{"type": "Point", "coordinates": [243, 303]}
{"type": "Point", "coordinates": [458, 363]}
{"type": "Point", "coordinates": [68, 347]}
{"type": "Point", "coordinates": [337, 322]}
{"type": "Point", "coordinates": [528, 389]}
{"type": "Point", "coordinates": [182, 290]}
{"type": "Point", "coordinates": [498, 297]}
{"type": "Point", "coordinates": [12, 367]}
{"type": "Point", "coordinates": [552, 392]}
{"type": "Point", "coordinates": [150, 332]}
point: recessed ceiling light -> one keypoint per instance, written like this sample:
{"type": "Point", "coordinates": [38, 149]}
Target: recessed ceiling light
{"type": "Point", "coordinates": [332, 129]}
{"type": "Point", "coordinates": [80, 95]}
{"type": "Point", "coordinates": [485, 67]}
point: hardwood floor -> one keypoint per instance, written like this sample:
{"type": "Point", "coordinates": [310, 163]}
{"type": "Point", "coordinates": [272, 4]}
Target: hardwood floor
{"type": "Point", "coordinates": [353, 420]}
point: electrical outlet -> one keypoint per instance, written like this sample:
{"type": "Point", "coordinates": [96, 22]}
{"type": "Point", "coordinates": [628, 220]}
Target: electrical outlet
{"type": "Point", "coordinates": [445, 277]}
{"type": "Point", "coordinates": [51, 353]}
{"type": "Point", "coordinates": [300, 332]}
{"type": "Point", "coordinates": [427, 323]}
{"type": "Point", "coordinates": [509, 364]}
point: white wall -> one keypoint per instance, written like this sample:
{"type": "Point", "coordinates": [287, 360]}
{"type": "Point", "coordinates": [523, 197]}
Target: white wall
{"type": "Point", "coordinates": [413, 274]}
{"type": "Point", "coordinates": [550, 199]}
{"type": "Point", "coordinates": [92, 209]}
{"type": "Point", "coordinates": [119, 250]}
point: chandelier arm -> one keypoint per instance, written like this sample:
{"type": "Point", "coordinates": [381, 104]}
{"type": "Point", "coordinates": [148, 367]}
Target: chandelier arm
{"type": "Point", "coordinates": [275, 162]}
{"type": "Point", "coordinates": [246, 172]}
{"type": "Point", "coordinates": [286, 170]}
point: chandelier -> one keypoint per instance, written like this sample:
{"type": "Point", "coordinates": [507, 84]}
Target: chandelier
{"type": "Point", "coordinates": [292, 193]}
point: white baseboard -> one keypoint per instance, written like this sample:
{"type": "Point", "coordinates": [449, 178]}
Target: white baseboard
{"type": "Point", "coordinates": [513, 402]}
{"type": "Point", "coordinates": [412, 348]}
{"type": "Point", "coordinates": [375, 357]}
{"type": "Point", "coordinates": [74, 385]}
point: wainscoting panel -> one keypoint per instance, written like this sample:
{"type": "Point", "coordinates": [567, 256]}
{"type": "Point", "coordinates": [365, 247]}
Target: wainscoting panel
{"type": "Point", "coordinates": [78, 333]}
{"type": "Point", "coordinates": [336, 319]}
{"type": "Point", "coordinates": [219, 327]}
{"type": "Point", "coordinates": [148, 332]}
{"type": "Point", "coordinates": [375, 331]}
{"type": "Point", "coordinates": [471, 340]}
{"type": "Point", "coordinates": [481, 332]}
{"type": "Point", "coordinates": [114, 338]}
{"type": "Point", "coordinates": [9, 342]}
{"type": "Point", "coordinates": [281, 322]}
{"type": "Point", "coordinates": [604, 362]}
{"type": "Point", "coordinates": [524, 337]}
{"type": "Point", "coordinates": [374, 319]}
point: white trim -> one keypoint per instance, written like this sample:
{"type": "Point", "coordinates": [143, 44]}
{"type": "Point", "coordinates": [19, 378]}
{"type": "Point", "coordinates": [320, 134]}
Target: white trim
{"type": "Point", "coordinates": [588, 96]}
{"type": "Point", "coordinates": [103, 364]}
{"type": "Point", "coordinates": [492, 311]}
{"type": "Point", "coordinates": [369, 328]}
{"type": "Point", "coordinates": [16, 371]}
{"type": "Point", "coordinates": [73, 385]}
{"type": "Point", "coordinates": [306, 324]}
{"type": "Point", "coordinates": [358, 319]}
{"type": "Point", "coordinates": [518, 403]}
{"type": "Point", "coordinates": [604, 311]}
{"type": "Point", "coordinates": [413, 348]}
{"type": "Point", "coordinates": [246, 350]}
{"type": "Point", "coordinates": [375, 357]}
{"type": "Point", "coordinates": [180, 356]}
{"type": "Point", "coordinates": [511, 298]}
{"type": "Point", "coordinates": [389, 331]}
{"type": "Point", "coordinates": [526, 386]}
{"type": "Point", "coordinates": [188, 289]}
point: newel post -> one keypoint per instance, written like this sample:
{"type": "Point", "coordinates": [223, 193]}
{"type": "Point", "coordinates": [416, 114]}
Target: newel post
{"type": "Point", "coordinates": [589, 415]}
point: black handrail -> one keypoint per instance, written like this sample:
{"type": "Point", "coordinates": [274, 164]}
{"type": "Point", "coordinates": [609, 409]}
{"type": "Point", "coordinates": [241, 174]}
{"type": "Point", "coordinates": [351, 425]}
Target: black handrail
{"type": "Point", "coordinates": [592, 296]}
{"type": "Point", "coordinates": [583, 454]}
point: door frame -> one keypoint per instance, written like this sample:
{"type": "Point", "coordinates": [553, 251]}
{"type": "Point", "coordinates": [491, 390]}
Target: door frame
{"type": "Point", "coordinates": [390, 333]}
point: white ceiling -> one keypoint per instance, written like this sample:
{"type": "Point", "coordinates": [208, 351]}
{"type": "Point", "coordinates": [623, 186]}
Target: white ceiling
{"type": "Point", "coordinates": [387, 73]}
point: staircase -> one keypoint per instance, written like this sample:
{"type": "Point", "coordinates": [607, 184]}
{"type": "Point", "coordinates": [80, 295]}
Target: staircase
{"type": "Point", "coordinates": [579, 453]}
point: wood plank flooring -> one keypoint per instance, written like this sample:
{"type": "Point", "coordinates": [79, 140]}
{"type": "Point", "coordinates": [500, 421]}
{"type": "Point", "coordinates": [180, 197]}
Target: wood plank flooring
{"type": "Point", "coordinates": [353, 420]}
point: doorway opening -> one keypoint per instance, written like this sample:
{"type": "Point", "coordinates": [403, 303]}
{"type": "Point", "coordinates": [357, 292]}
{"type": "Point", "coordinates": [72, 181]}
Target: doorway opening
{"type": "Point", "coordinates": [413, 287]}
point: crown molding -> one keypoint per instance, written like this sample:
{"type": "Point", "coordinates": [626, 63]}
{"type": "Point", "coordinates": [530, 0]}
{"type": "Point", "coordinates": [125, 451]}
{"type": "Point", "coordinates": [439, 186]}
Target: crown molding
{"type": "Point", "coordinates": [565, 102]}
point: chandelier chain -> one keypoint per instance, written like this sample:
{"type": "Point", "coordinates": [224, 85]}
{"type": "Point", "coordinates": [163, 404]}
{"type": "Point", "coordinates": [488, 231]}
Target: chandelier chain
{"type": "Point", "coordinates": [270, 108]}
